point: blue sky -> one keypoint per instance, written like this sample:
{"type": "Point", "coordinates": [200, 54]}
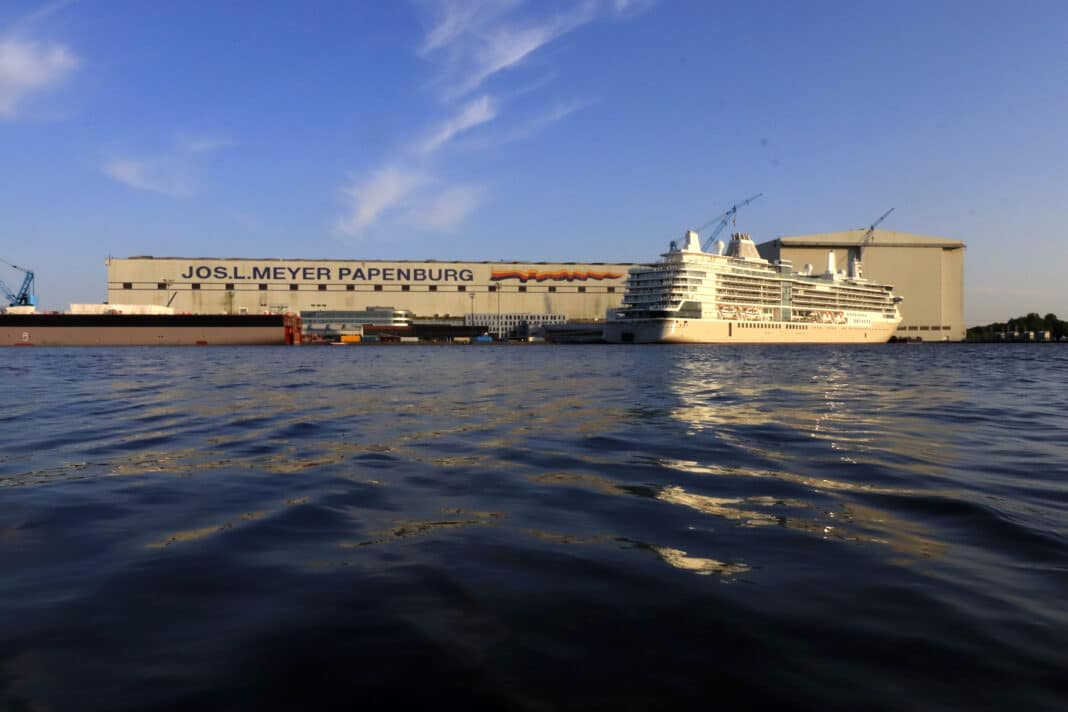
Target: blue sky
{"type": "Point", "coordinates": [586, 130]}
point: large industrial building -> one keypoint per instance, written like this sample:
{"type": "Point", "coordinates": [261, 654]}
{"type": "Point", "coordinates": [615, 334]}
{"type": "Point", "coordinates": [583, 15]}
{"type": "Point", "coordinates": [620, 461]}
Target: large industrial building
{"type": "Point", "coordinates": [927, 272]}
{"type": "Point", "coordinates": [426, 289]}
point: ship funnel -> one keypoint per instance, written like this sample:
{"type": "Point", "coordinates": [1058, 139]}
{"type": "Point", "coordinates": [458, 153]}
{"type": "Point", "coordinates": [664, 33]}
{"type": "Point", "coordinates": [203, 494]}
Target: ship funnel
{"type": "Point", "coordinates": [743, 248]}
{"type": "Point", "coordinates": [693, 242]}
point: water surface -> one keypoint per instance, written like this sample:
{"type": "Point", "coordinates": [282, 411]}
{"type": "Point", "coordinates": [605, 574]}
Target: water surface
{"type": "Point", "coordinates": [534, 527]}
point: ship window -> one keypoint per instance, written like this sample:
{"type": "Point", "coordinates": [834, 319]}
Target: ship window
{"type": "Point", "coordinates": [195, 285]}
{"type": "Point", "coordinates": [161, 285]}
{"type": "Point", "coordinates": [322, 287]}
{"type": "Point", "coordinates": [350, 287]}
{"type": "Point", "coordinates": [523, 288]}
{"type": "Point", "coordinates": [552, 289]}
{"type": "Point", "coordinates": [433, 288]}
{"type": "Point", "coordinates": [263, 287]}
{"type": "Point", "coordinates": [127, 285]}
{"type": "Point", "coordinates": [378, 287]}
{"type": "Point", "coordinates": [611, 290]}
{"type": "Point", "coordinates": [462, 288]}
{"type": "Point", "coordinates": [493, 288]}
{"type": "Point", "coordinates": [582, 290]}
{"type": "Point", "coordinates": [293, 287]}
{"type": "Point", "coordinates": [406, 288]}
{"type": "Point", "coordinates": [229, 286]}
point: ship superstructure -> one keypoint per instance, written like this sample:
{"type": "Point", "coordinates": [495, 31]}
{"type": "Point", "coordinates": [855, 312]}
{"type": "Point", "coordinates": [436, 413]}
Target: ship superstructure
{"type": "Point", "coordinates": [732, 295]}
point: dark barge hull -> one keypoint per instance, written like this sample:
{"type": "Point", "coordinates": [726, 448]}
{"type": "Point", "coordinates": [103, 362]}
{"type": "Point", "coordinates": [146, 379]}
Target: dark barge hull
{"type": "Point", "coordinates": [147, 330]}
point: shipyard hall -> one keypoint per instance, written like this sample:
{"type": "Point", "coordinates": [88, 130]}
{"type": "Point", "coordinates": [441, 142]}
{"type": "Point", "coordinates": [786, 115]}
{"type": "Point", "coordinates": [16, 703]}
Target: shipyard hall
{"type": "Point", "coordinates": [927, 272]}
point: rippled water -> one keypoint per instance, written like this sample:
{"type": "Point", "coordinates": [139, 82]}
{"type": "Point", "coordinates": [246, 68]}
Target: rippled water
{"type": "Point", "coordinates": [534, 527]}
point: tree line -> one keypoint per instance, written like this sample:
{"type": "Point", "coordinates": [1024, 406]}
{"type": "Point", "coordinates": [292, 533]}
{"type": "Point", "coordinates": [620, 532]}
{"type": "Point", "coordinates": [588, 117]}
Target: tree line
{"type": "Point", "coordinates": [1031, 322]}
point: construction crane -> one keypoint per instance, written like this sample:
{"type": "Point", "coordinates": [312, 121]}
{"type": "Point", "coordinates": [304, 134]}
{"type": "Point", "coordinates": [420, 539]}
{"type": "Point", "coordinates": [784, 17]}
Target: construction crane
{"type": "Point", "coordinates": [25, 296]}
{"type": "Point", "coordinates": [724, 218]}
{"type": "Point", "coordinates": [869, 236]}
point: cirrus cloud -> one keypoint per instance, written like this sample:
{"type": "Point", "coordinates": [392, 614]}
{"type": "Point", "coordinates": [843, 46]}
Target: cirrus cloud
{"type": "Point", "coordinates": [171, 173]}
{"type": "Point", "coordinates": [29, 67]}
{"type": "Point", "coordinates": [479, 41]}
{"type": "Point", "coordinates": [466, 44]}
{"type": "Point", "coordinates": [379, 192]}
{"type": "Point", "coordinates": [447, 209]}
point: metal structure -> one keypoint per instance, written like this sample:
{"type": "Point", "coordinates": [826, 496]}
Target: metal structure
{"type": "Point", "coordinates": [25, 296]}
{"type": "Point", "coordinates": [869, 235]}
{"type": "Point", "coordinates": [724, 218]}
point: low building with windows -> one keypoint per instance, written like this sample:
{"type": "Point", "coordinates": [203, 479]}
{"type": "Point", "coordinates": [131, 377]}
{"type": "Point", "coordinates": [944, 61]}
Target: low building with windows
{"type": "Point", "coordinates": [505, 325]}
{"type": "Point", "coordinates": [927, 272]}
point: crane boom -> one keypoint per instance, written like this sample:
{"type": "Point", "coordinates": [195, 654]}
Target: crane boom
{"type": "Point", "coordinates": [25, 296]}
{"type": "Point", "coordinates": [870, 234]}
{"type": "Point", "coordinates": [724, 218]}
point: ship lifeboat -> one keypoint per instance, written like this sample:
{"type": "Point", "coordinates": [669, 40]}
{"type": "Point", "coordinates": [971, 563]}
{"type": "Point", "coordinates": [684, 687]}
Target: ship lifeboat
{"type": "Point", "coordinates": [728, 312]}
{"type": "Point", "coordinates": [752, 313]}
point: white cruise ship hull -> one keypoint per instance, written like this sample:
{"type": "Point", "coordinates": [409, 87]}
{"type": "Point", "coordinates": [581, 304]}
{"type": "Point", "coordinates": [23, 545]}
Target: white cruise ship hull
{"type": "Point", "coordinates": [736, 297]}
{"type": "Point", "coordinates": [720, 331]}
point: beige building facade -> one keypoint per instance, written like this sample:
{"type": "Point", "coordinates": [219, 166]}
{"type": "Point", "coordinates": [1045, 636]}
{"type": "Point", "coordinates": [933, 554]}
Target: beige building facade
{"type": "Point", "coordinates": [927, 272]}
{"type": "Point", "coordinates": [427, 289]}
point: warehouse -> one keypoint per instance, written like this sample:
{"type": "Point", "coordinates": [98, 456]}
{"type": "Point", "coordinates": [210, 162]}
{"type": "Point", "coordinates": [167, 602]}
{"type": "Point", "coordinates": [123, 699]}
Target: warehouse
{"type": "Point", "coordinates": [426, 289]}
{"type": "Point", "coordinates": [928, 272]}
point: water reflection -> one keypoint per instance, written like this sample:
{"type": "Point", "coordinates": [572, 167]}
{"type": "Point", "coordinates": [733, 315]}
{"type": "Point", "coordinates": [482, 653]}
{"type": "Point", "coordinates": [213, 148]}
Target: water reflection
{"type": "Point", "coordinates": [187, 535]}
{"type": "Point", "coordinates": [701, 566]}
{"type": "Point", "coordinates": [810, 447]}
{"type": "Point", "coordinates": [844, 521]}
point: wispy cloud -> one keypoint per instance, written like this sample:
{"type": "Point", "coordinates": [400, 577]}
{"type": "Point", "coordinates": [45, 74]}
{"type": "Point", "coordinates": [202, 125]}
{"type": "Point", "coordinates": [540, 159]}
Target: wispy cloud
{"type": "Point", "coordinates": [448, 208]}
{"type": "Point", "coordinates": [372, 196]}
{"type": "Point", "coordinates": [40, 14]}
{"type": "Point", "coordinates": [171, 173]}
{"type": "Point", "coordinates": [203, 144]}
{"type": "Point", "coordinates": [167, 176]}
{"type": "Point", "coordinates": [483, 42]}
{"type": "Point", "coordinates": [531, 126]}
{"type": "Point", "coordinates": [29, 67]}
{"type": "Point", "coordinates": [456, 18]}
{"type": "Point", "coordinates": [629, 8]}
{"type": "Point", "coordinates": [376, 194]}
{"type": "Point", "coordinates": [467, 43]}
{"type": "Point", "coordinates": [474, 113]}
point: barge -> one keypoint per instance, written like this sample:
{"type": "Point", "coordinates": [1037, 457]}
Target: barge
{"type": "Point", "coordinates": [149, 329]}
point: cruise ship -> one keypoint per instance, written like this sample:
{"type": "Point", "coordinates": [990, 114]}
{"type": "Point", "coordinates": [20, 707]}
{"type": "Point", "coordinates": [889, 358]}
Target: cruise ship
{"type": "Point", "coordinates": [732, 295]}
